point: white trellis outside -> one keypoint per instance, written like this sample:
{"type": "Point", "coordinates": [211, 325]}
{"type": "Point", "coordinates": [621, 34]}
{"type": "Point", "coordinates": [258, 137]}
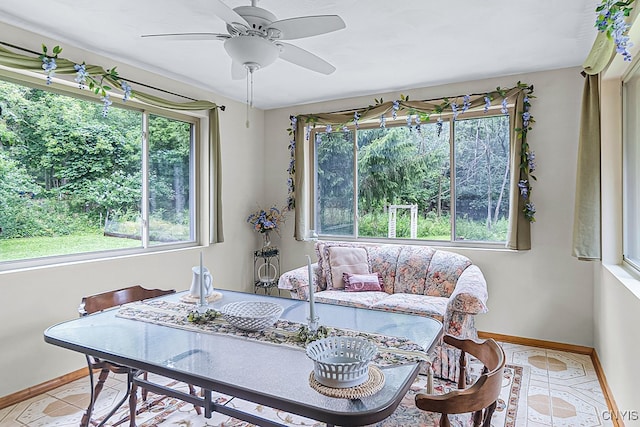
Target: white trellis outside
{"type": "Point", "coordinates": [393, 215]}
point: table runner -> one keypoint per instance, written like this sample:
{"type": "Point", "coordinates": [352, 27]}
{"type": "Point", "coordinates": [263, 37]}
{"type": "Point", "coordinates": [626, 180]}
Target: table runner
{"type": "Point", "coordinates": [391, 350]}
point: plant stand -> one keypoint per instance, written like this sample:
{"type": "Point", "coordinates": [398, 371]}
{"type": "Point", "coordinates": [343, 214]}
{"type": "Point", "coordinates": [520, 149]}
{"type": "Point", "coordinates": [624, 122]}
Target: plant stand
{"type": "Point", "coordinates": [266, 269]}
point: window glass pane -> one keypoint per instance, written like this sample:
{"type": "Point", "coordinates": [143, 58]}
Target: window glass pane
{"type": "Point", "coordinates": [68, 176]}
{"type": "Point", "coordinates": [404, 182]}
{"type": "Point", "coordinates": [170, 218]}
{"type": "Point", "coordinates": [631, 171]}
{"type": "Point", "coordinates": [481, 178]}
{"type": "Point", "coordinates": [334, 183]}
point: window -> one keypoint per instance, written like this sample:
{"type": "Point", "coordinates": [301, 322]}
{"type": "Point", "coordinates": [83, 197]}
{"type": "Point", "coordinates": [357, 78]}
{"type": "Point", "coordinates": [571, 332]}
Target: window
{"type": "Point", "coordinates": [449, 185]}
{"type": "Point", "coordinates": [631, 170]}
{"type": "Point", "coordinates": [73, 181]}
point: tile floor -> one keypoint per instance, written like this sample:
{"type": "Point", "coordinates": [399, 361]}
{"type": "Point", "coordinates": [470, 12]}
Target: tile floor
{"type": "Point", "coordinates": [558, 389]}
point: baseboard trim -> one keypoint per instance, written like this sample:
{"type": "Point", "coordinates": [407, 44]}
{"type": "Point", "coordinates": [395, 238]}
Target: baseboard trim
{"type": "Point", "coordinates": [551, 345]}
{"type": "Point", "coordinates": [611, 403]}
{"type": "Point", "coordinates": [44, 387]}
{"type": "Point", "coordinates": [572, 348]}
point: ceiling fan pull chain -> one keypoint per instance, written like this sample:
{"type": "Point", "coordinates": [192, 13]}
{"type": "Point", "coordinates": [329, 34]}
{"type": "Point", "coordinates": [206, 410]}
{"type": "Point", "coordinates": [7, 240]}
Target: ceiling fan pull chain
{"type": "Point", "coordinates": [247, 103]}
{"type": "Point", "coordinates": [251, 73]}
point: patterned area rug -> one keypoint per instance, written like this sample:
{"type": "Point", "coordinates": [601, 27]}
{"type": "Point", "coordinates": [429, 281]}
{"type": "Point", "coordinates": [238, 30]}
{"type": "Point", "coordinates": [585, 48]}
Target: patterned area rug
{"type": "Point", "coordinates": [164, 411]}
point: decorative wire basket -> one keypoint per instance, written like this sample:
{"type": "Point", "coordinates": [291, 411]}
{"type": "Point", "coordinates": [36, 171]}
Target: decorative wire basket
{"type": "Point", "coordinates": [341, 362]}
{"type": "Point", "coordinates": [251, 315]}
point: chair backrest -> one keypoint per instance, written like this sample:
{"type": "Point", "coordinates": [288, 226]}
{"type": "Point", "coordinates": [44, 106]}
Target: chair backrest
{"type": "Point", "coordinates": [483, 392]}
{"type": "Point", "coordinates": [94, 303]}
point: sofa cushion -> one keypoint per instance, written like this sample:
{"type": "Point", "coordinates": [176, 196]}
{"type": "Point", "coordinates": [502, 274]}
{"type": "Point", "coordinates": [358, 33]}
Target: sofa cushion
{"type": "Point", "coordinates": [350, 299]}
{"type": "Point", "coordinates": [324, 266]}
{"type": "Point", "coordinates": [443, 273]}
{"type": "Point", "coordinates": [344, 260]}
{"type": "Point", "coordinates": [413, 263]}
{"type": "Point", "coordinates": [362, 282]}
{"type": "Point", "coordinates": [414, 304]}
{"type": "Point", "coordinates": [383, 259]}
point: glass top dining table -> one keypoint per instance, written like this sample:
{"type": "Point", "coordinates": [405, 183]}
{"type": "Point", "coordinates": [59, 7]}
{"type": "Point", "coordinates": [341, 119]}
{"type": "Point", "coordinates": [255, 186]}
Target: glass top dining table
{"type": "Point", "coordinates": [264, 373]}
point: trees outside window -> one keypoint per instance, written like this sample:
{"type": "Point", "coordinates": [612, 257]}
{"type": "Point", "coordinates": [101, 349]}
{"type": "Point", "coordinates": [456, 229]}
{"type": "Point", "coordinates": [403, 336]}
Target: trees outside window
{"type": "Point", "coordinates": [73, 181]}
{"type": "Point", "coordinates": [457, 175]}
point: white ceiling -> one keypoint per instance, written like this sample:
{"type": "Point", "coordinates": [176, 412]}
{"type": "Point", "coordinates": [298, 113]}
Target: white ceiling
{"type": "Point", "coordinates": [387, 45]}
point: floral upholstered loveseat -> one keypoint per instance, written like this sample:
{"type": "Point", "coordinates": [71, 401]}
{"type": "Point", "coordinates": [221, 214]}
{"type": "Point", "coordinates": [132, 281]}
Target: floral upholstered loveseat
{"type": "Point", "coordinates": [418, 280]}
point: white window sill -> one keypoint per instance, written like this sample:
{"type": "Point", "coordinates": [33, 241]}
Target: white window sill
{"type": "Point", "coordinates": [626, 275]}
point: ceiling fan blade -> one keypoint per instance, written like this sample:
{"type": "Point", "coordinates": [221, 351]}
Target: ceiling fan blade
{"type": "Point", "coordinates": [305, 59]}
{"type": "Point", "coordinates": [238, 72]}
{"type": "Point", "coordinates": [227, 14]}
{"type": "Point", "coordinates": [189, 36]}
{"type": "Point", "coordinates": [307, 26]}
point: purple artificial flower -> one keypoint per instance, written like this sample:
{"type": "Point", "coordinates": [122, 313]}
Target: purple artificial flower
{"type": "Point", "coordinates": [106, 103]}
{"type": "Point", "coordinates": [409, 121]}
{"type": "Point", "coordinates": [487, 103]}
{"type": "Point", "coordinates": [328, 129]}
{"type": "Point", "coordinates": [466, 103]}
{"type": "Point", "coordinates": [531, 161]}
{"type": "Point", "coordinates": [49, 65]}
{"type": "Point", "coordinates": [294, 121]}
{"type": "Point", "coordinates": [529, 212]}
{"type": "Point", "coordinates": [395, 108]}
{"type": "Point", "coordinates": [505, 108]}
{"type": "Point", "coordinates": [126, 89]}
{"type": "Point", "coordinates": [418, 123]}
{"type": "Point", "coordinates": [81, 75]}
{"type": "Point", "coordinates": [356, 117]}
{"type": "Point", "coordinates": [454, 108]}
{"type": "Point", "coordinates": [345, 129]}
{"type": "Point", "coordinates": [526, 116]}
{"type": "Point", "coordinates": [523, 185]}
{"type": "Point", "coordinates": [439, 126]}
{"type": "Point", "coordinates": [383, 122]}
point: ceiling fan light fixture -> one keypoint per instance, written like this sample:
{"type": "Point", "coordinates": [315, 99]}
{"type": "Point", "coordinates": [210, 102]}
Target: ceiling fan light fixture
{"type": "Point", "coordinates": [252, 50]}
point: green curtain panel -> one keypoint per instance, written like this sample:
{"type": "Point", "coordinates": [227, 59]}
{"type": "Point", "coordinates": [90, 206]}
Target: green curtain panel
{"type": "Point", "coordinates": [64, 66]}
{"type": "Point", "coordinates": [586, 222]}
{"type": "Point", "coordinates": [519, 234]}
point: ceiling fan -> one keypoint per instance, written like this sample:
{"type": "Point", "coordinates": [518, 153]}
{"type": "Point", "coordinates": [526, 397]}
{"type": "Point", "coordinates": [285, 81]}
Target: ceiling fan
{"type": "Point", "coordinates": [255, 38]}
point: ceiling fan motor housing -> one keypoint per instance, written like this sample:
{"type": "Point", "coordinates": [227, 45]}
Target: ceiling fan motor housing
{"type": "Point", "coordinates": [258, 18]}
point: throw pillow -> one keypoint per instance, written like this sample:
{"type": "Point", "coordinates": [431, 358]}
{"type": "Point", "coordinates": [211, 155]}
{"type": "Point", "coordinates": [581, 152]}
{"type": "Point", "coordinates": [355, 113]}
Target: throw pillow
{"type": "Point", "coordinates": [345, 260]}
{"type": "Point", "coordinates": [362, 282]}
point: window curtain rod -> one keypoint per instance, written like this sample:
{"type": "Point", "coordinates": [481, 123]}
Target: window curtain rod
{"type": "Point", "coordinates": [221, 107]}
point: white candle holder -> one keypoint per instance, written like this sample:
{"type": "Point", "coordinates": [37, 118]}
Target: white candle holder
{"type": "Point", "coordinates": [313, 324]}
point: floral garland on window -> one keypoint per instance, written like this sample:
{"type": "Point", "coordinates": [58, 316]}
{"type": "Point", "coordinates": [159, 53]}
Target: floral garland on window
{"type": "Point", "coordinates": [611, 19]}
{"type": "Point", "coordinates": [419, 112]}
{"type": "Point", "coordinates": [97, 81]}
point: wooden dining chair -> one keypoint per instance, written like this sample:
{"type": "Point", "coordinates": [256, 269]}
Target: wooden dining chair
{"type": "Point", "coordinates": [482, 396]}
{"type": "Point", "coordinates": [99, 302]}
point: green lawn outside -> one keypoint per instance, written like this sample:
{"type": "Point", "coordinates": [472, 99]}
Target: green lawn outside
{"type": "Point", "coordinates": [35, 247]}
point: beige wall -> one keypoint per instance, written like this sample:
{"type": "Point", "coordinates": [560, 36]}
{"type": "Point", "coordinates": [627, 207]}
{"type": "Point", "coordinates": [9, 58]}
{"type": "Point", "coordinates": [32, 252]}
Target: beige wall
{"type": "Point", "coordinates": [33, 299]}
{"type": "Point", "coordinates": [543, 293]}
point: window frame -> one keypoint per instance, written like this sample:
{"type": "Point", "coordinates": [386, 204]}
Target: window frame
{"type": "Point", "coordinates": [197, 152]}
{"type": "Point", "coordinates": [634, 72]}
{"type": "Point", "coordinates": [399, 122]}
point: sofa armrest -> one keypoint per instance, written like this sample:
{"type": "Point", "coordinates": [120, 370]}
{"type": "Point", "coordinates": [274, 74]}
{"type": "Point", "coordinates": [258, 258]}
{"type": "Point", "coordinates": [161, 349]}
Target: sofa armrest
{"type": "Point", "coordinates": [296, 281]}
{"type": "Point", "coordinates": [470, 294]}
